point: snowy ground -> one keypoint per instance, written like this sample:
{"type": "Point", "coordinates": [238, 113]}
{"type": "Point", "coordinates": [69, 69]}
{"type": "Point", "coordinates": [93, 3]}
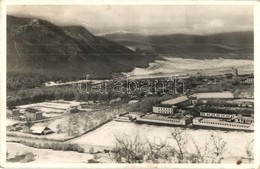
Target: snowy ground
{"type": "Point", "coordinates": [47, 155]}
{"type": "Point", "coordinates": [10, 122]}
{"type": "Point", "coordinates": [105, 136]}
{"type": "Point", "coordinates": [173, 66]}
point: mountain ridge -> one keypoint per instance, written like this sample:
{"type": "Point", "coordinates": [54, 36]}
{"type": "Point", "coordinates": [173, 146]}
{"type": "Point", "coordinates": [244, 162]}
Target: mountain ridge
{"type": "Point", "coordinates": [39, 46]}
{"type": "Point", "coordinates": [229, 45]}
{"type": "Point", "coordinates": [36, 45]}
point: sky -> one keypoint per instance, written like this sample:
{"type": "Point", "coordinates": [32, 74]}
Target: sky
{"type": "Point", "coordinates": [144, 19]}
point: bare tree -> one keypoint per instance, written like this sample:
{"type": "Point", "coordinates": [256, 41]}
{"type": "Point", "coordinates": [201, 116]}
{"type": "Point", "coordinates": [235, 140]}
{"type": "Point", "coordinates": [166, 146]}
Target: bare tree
{"type": "Point", "coordinates": [59, 129]}
{"type": "Point", "coordinates": [135, 150]}
{"type": "Point", "coordinates": [156, 152]}
{"type": "Point", "coordinates": [250, 151]}
{"type": "Point", "coordinates": [129, 151]}
{"type": "Point", "coordinates": [73, 125]}
{"type": "Point", "coordinates": [201, 154]}
{"type": "Point", "coordinates": [218, 148]}
{"type": "Point", "coordinates": [181, 141]}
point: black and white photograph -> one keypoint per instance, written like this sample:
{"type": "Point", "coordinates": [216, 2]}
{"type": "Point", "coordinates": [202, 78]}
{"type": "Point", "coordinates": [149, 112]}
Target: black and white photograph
{"type": "Point", "coordinates": [129, 83]}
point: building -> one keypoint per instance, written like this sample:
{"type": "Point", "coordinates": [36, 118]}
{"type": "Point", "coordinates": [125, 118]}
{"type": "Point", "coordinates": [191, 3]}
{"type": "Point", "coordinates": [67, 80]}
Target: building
{"type": "Point", "coordinates": [217, 115]}
{"type": "Point", "coordinates": [162, 120]}
{"type": "Point", "coordinates": [32, 114]}
{"type": "Point", "coordinates": [14, 127]}
{"type": "Point", "coordinates": [72, 109]}
{"type": "Point", "coordinates": [13, 114]}
{"type": "Point", "coordinates": [133, 101]}
{"type": "Point", "coordinates": [91, 102]}
{"type": "Point", "coordinates": [245, 95]}
{"type": "Point", "coordinates": [40, 130]}
{"type": "Point", "coordinates": [242, 102]}
{"type": "Point", "coordinates": [249, 80]}
{"type": "Point", "coordinates": [211, 95]}
{"type": "Point", "coordinates": [115, 100]}
{"type": "Point", "coordinates": [164, 109]}
{"type": "Point", "coordinates": [244, 119]}
{"type": "Point", "coordinates": [179, 101]}
{"type": "Point", "coordinates": [219, 123]}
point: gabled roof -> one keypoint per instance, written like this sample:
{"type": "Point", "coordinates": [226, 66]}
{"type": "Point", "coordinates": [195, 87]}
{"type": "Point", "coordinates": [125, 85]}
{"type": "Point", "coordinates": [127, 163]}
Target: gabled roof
{"type": "Point", "coordinates": [176, 100]}
{"type": "Point", "coordinates": [38, 129]}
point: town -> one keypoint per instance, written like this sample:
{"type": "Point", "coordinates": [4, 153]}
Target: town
{"type": "Point", "coordinates": [208, 109]}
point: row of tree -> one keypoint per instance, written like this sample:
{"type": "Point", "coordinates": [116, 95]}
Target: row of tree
{"type": "Point", "coordinates": [56, 93]}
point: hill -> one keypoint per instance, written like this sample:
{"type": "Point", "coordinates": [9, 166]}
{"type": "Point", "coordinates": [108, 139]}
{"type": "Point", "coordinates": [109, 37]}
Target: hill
{"type": "Point", "coordinates": [232, 45]}
{"type": "Point", "coordinates": [38, 46]}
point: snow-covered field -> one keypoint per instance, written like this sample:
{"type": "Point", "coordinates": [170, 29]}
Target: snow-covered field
{"type": "Point", "coordinates": [47, 155]}
{"type": "Point", "coordinates": [105, 136]}
{"type": "Point", "coordinates": [173, 66]}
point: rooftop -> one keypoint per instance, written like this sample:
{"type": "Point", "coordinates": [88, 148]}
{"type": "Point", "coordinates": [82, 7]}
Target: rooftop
{"type": "Point", "coordinates": [162, 117]}
{"type": "Point", "coordinates": [175, 100]}
{"type": "Point", "coordinates": [165, 105]}
{"type": "Point", "coordinates": [31, 110]}
{"type": "Point", "coordinates": [220, 95]}
{"type": "Point", "coordinates": [39, 129]}
{"type": "Point", "coordinates": [244, 100]}
{"type": "Point", "coordinates": [218, 112]}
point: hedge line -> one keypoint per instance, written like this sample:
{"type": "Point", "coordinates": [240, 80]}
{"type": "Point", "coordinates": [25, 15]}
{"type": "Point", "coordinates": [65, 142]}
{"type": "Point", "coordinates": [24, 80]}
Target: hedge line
{"type": "Point", "coordinates": [33, 137]}
{"type": "Point", "coordinates": [54, 146]}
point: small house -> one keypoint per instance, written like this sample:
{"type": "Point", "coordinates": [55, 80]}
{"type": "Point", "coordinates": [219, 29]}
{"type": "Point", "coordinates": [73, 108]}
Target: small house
{"type": "Point", "coordinates": [40, 130]}
{"type": "Point", "coordinates": [32, 114]}
{"type": "Point", "coordinates": [14, 127]}
{"type": "Point", "coordinates": [244, 119]}
{"type": "Point", "coordinates": [15, 112]}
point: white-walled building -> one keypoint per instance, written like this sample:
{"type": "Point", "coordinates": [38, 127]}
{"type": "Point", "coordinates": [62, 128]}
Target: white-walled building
{"type": "Point", "coordinates": [164, 109]}
{"type": "Point", "coordinates": [217, 115]}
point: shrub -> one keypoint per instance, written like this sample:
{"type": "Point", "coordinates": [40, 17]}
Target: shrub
{"type": "Point", "coordinates": [28, 157]}
{"type": "Point", "coordinates": [81, 150]}
{"type": "Point", "coordinates": [54, 146]}
{"type": "Point", "coordinates": [65, 147]}
{"type": "Point", "coordinates": [46, 145]}
{"type": "Point", "coordinates": [91, 150]}
{"type": "Point", "coordinates": [24, 158]}
{"type": "Point", "coordinates": [7, 154]}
